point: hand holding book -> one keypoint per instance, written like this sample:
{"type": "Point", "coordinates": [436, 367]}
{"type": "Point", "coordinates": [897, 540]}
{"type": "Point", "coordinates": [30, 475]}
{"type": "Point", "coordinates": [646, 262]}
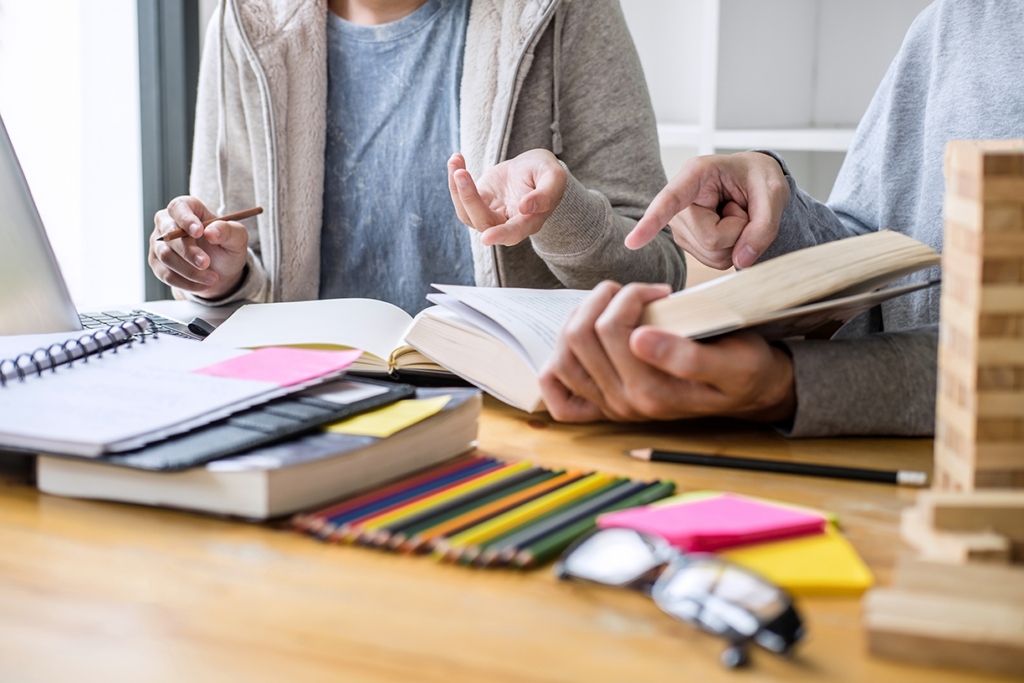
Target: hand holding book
{"type": "Point", "coordinates": [606, 367]}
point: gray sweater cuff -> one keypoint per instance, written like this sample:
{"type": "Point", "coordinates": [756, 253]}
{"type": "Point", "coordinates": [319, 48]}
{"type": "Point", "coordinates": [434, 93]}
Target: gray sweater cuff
{"type": "Point", "coordinates": [575, 226]}
{"type": "Point", "coordinates": [883, 384]}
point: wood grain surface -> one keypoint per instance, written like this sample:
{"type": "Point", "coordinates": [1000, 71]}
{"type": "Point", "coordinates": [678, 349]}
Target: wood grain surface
{"type": "Point", "coordinates": [106, 592]}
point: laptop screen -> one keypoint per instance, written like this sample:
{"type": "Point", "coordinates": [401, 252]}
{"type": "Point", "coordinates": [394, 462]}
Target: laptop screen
{"type": "Point", "coordinates": [33, 296]}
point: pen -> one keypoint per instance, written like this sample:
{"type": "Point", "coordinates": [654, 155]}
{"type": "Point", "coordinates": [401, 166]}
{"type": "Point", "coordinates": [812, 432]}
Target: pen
{"type": "Point", "coordinates": [248, 213]}
{"type": "Point", "coordinates": [902, 477]}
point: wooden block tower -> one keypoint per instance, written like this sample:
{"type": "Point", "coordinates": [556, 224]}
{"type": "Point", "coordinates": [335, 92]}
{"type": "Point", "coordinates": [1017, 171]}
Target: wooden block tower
{"type": "Point", "coordinates": [979, 432]}
{"type": "Point", "coordinates": [959, 601]}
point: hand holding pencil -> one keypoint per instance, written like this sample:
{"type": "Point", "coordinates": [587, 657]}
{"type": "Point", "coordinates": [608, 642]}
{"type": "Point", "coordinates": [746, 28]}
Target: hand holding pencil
{"type": "Point", "coordinates": [197, 251]}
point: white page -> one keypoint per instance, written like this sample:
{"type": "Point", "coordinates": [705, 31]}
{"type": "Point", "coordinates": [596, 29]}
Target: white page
{"type": "Point", "coordinates": [474, 317]}
{"type": "Point", "coordinates": [127, 399]}
{"type": "Point", "coordinates": [533, 316]}
{"type": "Point", "coordinates": [376, 327]}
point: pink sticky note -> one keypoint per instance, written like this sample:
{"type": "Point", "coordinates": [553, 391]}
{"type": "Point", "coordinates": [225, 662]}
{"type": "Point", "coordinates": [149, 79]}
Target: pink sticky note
{"type": "Point", "coordinates": [283, 366]}
{"type": "Point", "coordinates": [715, 523]}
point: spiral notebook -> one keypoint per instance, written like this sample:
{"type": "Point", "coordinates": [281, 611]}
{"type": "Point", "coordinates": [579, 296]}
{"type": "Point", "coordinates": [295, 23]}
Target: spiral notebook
{"type": "Point", "coordinates": [109, 392]}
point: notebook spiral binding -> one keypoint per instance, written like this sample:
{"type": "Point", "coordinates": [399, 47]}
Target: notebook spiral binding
{"type": "Point", "coordinates": [82, 348]}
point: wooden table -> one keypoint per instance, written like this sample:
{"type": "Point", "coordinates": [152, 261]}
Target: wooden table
{"type": "Point", "coordinates": [106, 592]}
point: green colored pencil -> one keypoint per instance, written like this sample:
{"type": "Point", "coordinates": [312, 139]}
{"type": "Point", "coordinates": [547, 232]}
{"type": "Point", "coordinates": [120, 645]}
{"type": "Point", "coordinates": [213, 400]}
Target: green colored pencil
{"type": "Point", "coordinates": [550, 546]}
{"type": "Point", "coordinates": [491, 552]}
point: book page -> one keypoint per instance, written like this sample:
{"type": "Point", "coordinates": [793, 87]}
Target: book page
{"type": "Point", "coordinates": [532, 316]}
{"type": "Point", "coordinates": [376, 327]}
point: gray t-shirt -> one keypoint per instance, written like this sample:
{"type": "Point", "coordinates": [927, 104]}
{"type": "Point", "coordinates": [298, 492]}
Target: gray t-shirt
{"type": "Point", "coordinates": [389, 227]}
{"type": "Point", "coordinates": [958, 76]}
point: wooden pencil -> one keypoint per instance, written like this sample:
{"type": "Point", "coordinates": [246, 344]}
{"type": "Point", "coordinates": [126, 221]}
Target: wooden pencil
{"type": "Point", "coordinates": [453, 547]}
{"type": "Point", "coordinates": [382, 536]}
{"type": "Point", "coordinates": [309, 522]}
{"type": "Point", "coordinates": [550, 546]}
{"type": "Point", "coordinates": [415, 491]}
{"type": "Point", "coordinates": [409, 540]}
{"type": "Point", "coordinates": [426, 541]}
{"type": "Point", "coordinates": [340, 525]}
{"type": "Point", "coordinates": [508, 546]}
{"type": "Point", "coordinates": [238, 216]}
{"type": "Point", "coordinates": [356, 527]}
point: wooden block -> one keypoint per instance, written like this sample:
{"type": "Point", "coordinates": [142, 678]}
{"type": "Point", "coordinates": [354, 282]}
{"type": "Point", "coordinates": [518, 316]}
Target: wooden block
{"type": "Point", "coordinates": [977, 580]}
{"type": "Point", "coordinates": [999, 351]}
{"type": "Point", "coordinates": [994, 456]}
{"type": "Point", "coordinates": [1002, 245]}
{"type": "Point", "coordinates": [998, 479]}
{"type": "Point", "coordinates": [963, 212]}
{"type": "Point", "coordinates": [1002, 188]}
{"type": "Point", "coordinates": [983, 546]}
{"type": "Point", "coordinates": [933, 629]}
{"type": "Point", "coordinates": [1002, 271]}
{"type": "Point", "coordinates": [1000, 403]}
{"type": "Point", "coordinates": [999, 298]}
{"type": "Point", "coordinates": [998, 511]}
{"type": "Point", "coordinates": [1003, 216]}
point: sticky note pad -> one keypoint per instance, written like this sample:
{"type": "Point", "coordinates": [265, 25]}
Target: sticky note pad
{"type": "Point", "coordinates": [385, 421]}
{"type": "Point", "coordinates": [282, 366]}
{"type": "Point", "coordinates": [819, 564]}
{"type": "Point", "coordinates": [715, 523]}
{"type": "Point", "coordinates": [691, 496]}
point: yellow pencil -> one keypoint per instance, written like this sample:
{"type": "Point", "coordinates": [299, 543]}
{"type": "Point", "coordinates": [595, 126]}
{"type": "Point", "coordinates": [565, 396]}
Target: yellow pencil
{"type": "Point", "coordinates": [370, 525]}
{"type": "Point", "coordinates": [468, 539]}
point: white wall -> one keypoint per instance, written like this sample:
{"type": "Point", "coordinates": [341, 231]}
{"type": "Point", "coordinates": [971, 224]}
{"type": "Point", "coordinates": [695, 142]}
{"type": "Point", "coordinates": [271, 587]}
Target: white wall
{"type": "Point", "coordinates": [69, 97]}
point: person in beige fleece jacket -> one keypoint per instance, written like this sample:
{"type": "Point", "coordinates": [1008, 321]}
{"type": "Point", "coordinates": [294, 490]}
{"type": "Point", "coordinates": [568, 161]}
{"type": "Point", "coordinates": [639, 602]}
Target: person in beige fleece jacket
{"type": "Point", "coordinates": [552, 88]}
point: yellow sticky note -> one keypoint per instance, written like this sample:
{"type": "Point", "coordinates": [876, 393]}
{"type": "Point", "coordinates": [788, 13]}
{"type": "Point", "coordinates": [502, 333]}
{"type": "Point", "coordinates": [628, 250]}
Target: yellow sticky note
{"type": "Point", "coordinates": [385, 421]}
{"type": "Point", "coordinates": [819, 564]}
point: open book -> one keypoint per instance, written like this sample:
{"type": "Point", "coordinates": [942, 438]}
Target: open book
{"type": "Point", "coordinates": [376, 327]}
{"type": "Point", "coordinates": [499, 339]}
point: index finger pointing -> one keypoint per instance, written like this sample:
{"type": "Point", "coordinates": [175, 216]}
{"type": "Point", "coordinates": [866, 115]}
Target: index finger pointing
{"type": "Point", "coordinates": [680, 192]}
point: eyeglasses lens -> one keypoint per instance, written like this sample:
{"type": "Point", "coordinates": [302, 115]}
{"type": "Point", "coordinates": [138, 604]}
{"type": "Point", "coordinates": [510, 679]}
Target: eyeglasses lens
{"type": "Point", "coordinates": [615, 557]}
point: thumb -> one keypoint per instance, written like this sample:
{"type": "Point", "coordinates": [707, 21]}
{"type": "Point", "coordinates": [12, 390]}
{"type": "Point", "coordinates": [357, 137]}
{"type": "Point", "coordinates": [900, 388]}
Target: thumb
{"type": "Point", "coordinates": [767, 202]}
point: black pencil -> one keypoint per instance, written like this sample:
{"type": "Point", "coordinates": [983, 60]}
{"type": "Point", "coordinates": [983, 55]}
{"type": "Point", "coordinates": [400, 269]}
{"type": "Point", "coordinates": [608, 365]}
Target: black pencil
{"type": "Point", "coordinates": [902, 477]}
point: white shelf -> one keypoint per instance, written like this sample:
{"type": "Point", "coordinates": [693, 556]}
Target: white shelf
{"type": "Point", "coordinates": [790, 139]}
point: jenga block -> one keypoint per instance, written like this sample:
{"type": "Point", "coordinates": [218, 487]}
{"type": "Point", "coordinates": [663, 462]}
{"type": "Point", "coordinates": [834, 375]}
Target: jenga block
{"type": "Point", "coordinates": [999, 456]}
{"type": "Point", "coordinates": [976, 580]}
{"type": "Point", "coordinates": [981, 546]}
{"type": "Point", "coordinates": [1002, 403]}
{"type": "Point", "coordinates": [937, 630]}
{"type": "Point", "coordinates": [1003, 245]}
{"type": "Point", "coordinates": [1001, 351]}
{"type": "Point", "coordinates": [1002, 299]}
{"type": "Point", "coordinates": [1000, 188]}
{"type": "Point", "coordinates": [999, 511]}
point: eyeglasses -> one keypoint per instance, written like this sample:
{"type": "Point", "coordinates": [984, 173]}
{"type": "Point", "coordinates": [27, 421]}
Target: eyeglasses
{"type": "Point", "coordinates": [700, 589]}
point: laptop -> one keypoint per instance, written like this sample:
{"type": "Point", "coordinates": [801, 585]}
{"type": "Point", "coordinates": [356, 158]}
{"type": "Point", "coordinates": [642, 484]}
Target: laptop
{"type": "Point", "coordinates": [34, 298]}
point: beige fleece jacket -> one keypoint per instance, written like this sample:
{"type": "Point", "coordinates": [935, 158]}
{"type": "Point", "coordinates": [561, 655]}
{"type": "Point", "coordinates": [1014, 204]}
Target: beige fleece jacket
{"type": "Point", "coordinates": [556, 74]}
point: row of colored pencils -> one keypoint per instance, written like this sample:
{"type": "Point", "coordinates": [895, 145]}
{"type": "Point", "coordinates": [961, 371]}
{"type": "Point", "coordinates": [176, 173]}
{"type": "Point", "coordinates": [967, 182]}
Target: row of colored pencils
{"type": "Point", "coordinates": [481, 511]}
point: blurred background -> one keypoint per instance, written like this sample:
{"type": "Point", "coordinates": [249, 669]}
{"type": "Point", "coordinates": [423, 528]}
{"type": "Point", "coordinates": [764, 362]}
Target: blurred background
{"type": "Point", "coordinates": [98, 98]}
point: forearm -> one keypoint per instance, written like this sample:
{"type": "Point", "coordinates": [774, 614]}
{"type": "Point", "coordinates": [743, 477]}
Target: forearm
{"type": "Point", "coordinates": [883, 384]}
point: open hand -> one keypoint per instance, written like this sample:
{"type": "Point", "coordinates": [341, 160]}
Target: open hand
{"type": "Point", "coordinates": [209, 262]}
{"type": "Point", "coordinates": [606, 366]}
{"type": "Point", "coordinates": [724, 210]}
{"type": "Point", "coordinates": [512, 200]}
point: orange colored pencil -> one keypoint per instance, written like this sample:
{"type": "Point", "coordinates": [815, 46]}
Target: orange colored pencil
{"type": "Point", "coordinates": [426, 540]}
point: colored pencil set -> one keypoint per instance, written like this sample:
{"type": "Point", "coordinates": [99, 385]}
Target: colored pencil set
{"type": "Point", "coordinates": [480, 511]}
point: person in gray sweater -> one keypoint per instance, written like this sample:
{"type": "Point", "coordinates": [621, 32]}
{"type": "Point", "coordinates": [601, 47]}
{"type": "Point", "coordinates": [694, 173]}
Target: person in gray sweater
{"type": "Point", "coordinates": [958, 75]}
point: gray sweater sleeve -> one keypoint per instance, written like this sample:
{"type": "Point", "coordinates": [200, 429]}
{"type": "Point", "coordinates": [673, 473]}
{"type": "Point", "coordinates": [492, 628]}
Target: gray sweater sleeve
{"type": "Point", "coordinates": [610, 147]}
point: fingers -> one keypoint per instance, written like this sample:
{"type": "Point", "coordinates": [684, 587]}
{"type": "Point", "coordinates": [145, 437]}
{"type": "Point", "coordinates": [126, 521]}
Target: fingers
{"type": "Point", "coordinates": [517, 229]}
{"type": "Point", "coordinates": [229, 235]}
{"type": "Point", "coordinates": [548, 178]}
{"type": "Point", "coordinates": [455, 163]}
{"type": "Point", "coordinates": [564, 405]}
{"type": "Point", "coordinates": [680, 192]}
{"type": "Point", "coordinates": [187, 213]}
{"type": "Point", "coordinates": [768, 197]}
{"type": "Point", "coordinates": [480, 215]}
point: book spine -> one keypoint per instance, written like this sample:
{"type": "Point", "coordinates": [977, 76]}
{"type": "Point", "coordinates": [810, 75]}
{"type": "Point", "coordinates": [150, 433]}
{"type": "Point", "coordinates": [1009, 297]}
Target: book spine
{"type": "Point", "coordinates": [75, 349]}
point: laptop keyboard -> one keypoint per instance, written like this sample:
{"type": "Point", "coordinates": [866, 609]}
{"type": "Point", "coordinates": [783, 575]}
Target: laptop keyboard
{"type": "Point", "coordinates": [92, 321]}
